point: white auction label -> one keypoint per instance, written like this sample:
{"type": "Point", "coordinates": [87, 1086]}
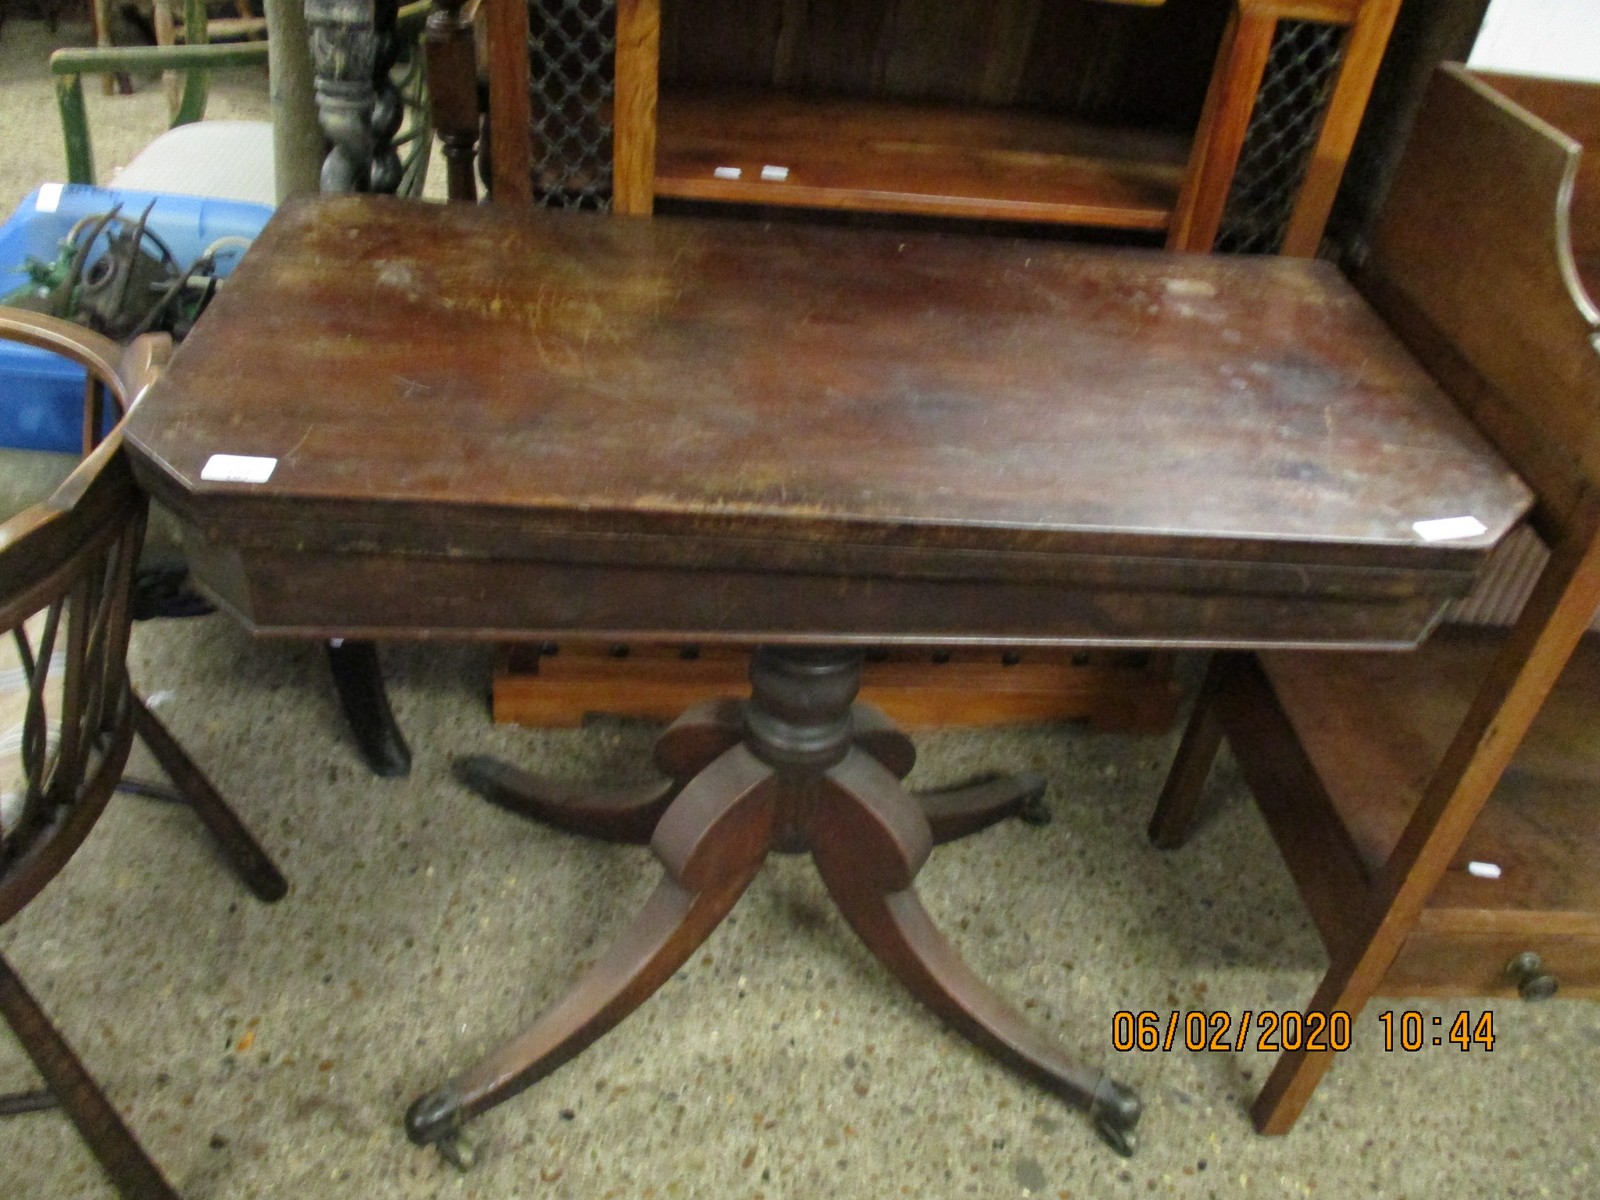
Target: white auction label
{"type": "Point", "coordinates": [1447, 528]}
{"type": "Point", "coordinates": [774, 174]}
{"type": "Point", "coordinates": [727, 172]}
{"type": "Point", "coordinates": [1484, 870]}
{"type": "Point", "coordinates": [49, 198]}
{"type": "Point", "coordinates": [238, 468]}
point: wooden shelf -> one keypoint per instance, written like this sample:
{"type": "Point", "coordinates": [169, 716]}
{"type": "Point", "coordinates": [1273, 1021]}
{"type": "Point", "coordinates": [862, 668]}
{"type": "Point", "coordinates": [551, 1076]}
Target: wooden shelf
{"type": "Point", "coordinates": [1113, 691]}
{"type": "Point", "coordinates": [1541, 828]}
{"type": "Point", "coordinates": [938, 160]}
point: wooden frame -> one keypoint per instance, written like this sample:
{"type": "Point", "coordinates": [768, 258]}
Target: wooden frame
{"type": "Point", "coordinates": [69, 560]}
{"type": "Point", "coordinates": [1331, 744]}
{"type": "Point", "coordinates": [983, 162]}
{"type": "Point", "coordinates": [1226, 118]}
{"type": "Point", "coordinates": [1110, 191]}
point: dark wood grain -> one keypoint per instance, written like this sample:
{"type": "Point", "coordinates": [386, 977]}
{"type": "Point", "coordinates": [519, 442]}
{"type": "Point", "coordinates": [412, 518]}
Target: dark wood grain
{"type": "Point", "coordinates": [1529, 336]}
{"type": "Point", "coordinates": [453, 92]}
{"type": "Point", "coordinates": [1078, 59]}
{"type": "Point", "coordinates": [794, 435]}
{"type": "Point", "coordinates": [1574, 109]}
{"type": "Point", "coordinates": [510, 103]}
{"type": "Point", "coordinates": [668, 398]}
{"type": "Point", "coordinates": [799, 767]}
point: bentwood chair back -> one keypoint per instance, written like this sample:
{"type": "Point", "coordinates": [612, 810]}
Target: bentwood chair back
{"type": "Point", "coordinates": [66, 577]}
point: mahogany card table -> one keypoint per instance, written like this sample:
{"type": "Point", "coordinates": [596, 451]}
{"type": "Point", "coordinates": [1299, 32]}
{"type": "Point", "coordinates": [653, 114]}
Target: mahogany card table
{"type": "Point", "coordinates": [401, 420]}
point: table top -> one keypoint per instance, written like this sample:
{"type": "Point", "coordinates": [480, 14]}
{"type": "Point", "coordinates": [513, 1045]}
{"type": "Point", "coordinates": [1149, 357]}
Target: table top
{"type": "Point", "coordinates": [481, 383]}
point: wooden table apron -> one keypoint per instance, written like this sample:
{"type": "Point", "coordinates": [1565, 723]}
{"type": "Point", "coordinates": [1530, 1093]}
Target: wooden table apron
{"type": "Point", "coordinates": [492, 423]}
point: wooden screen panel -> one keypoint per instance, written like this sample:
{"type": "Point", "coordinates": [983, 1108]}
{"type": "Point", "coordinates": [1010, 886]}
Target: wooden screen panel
{"type": "Point", "coordinates": [1448, 225]}
{"type": "Point", "coordinates": [1574, 109]}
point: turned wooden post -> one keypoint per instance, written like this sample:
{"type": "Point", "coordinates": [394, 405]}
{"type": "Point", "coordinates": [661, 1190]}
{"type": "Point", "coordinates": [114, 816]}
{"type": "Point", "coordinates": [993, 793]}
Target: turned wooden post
{"type": "Point", "coordinates": [453, 88]}
{"type": "Point", "coordinates": [358, 106]}
{"type": "Point", "coordinates": [343, 50]}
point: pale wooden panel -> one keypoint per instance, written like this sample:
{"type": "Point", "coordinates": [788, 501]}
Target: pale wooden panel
{"type": "Point", "coordinates": [1480, 196]}
{"type": "Point", "coordinates": [1574, 109]}
{"type": "Point", "coordinates": [634, 140]}
{"type": "Point", "coordinates": [1113, 691]}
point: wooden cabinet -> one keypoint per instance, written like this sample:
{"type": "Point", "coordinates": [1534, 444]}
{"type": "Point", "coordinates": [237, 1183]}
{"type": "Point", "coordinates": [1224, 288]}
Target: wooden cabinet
{"type": "Point", "coordinates": [1200, 123]}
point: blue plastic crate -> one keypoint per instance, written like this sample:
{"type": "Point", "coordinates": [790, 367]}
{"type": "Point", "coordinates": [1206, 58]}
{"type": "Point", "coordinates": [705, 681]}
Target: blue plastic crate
{"type": "Point", "coordinates": [41, 394]}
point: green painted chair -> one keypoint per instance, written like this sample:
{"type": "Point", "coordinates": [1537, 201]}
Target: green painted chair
{"type": "Point", "coordinates": [232, 161]}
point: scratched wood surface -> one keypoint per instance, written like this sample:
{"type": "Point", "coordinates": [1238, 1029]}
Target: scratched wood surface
{"type": "Point", "coordinates": [484, 384]}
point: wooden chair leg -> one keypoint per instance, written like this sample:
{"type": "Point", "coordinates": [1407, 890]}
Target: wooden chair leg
{"type": "Point", "coordinates": [244, 854]}
{"type": "Point", "coordinates": [1296, 1074]}
{"type": "Point", "coordinates": [1179, 806]}
{"type": "Point", "coordinates": [125, 1163]}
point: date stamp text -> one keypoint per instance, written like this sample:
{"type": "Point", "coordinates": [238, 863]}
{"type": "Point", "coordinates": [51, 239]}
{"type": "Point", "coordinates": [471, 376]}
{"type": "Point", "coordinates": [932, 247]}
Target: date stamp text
{"type": "Point", "coordinates": [1273, 1030]}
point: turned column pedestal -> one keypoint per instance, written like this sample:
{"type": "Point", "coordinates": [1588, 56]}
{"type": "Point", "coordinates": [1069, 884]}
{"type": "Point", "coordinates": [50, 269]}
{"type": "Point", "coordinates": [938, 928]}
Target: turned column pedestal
{"type": "Point", "coordinates": [798, 767]}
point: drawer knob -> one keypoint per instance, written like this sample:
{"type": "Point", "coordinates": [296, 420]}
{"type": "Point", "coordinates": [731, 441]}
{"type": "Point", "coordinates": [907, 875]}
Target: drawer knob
{"type": "Point", "coordinates": [1532, 980]}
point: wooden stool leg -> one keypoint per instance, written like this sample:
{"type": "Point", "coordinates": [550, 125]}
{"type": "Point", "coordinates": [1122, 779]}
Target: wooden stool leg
{"type": "Point", "coordinates": [869, 839]}
{"type": "Point", "coordinates": [125, 1163]}
{"type": "Point", "coordinates": [712, 842]}
{"type": "Point", "coordinates": [1179, 805]}
{"type": "Point", "coordinates": [244, 854]}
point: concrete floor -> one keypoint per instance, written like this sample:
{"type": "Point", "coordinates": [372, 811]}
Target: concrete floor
{"type": "Point", "coordinates": [269, 1051]}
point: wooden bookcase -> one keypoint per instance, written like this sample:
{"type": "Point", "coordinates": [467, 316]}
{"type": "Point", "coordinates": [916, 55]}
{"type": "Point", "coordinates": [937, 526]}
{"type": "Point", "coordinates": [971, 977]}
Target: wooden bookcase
{"type": "Point", "coordinates": [1087, 113]}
